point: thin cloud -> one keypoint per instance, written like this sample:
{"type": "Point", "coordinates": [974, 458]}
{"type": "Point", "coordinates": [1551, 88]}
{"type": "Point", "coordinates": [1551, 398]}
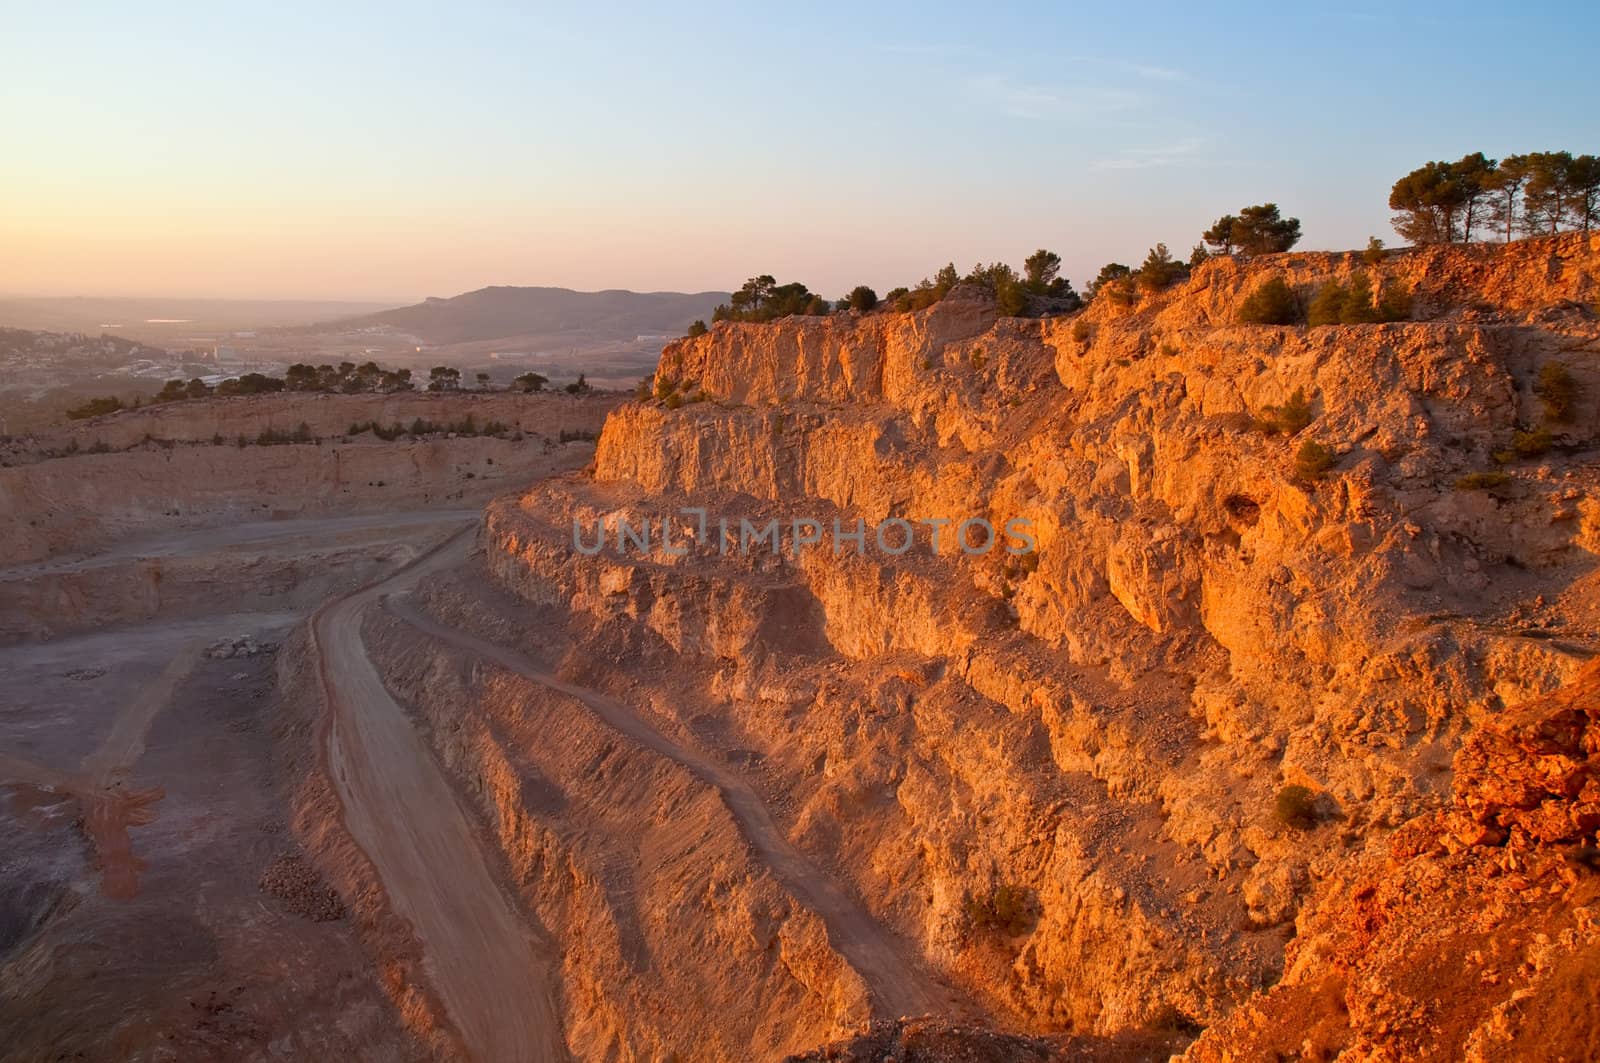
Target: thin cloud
{"type": "Point", "coordinates": [1182, 152]}
{"type": "Point", "coordinates": [1158, 73]}
{"type": "Point", "coordinates": [1149, 71]}
{"type": "Point", "coordinates": [1049, 102]}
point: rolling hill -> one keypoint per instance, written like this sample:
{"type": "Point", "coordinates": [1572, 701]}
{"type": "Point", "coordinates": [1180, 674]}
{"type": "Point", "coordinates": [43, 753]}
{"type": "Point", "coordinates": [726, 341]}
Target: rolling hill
{"type": "Point", "coordinates": [497, 312]}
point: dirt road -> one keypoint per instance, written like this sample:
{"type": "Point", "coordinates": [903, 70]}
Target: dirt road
{"type": "Point", "coordinates": [494, 978]}
{"type": "Point", "coordinates": [898, 983]}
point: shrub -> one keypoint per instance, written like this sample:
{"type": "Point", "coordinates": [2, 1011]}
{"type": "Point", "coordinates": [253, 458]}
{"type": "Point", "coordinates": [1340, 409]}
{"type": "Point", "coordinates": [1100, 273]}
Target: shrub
{"type": "Point", "coordinates": [1335, 304]}
{"type": "Point", "coordinates": [1395, 303]}
{"type": "Point", "coordinates": [1273, 303]}
{"type": "Point", "coordinates": [1482, 481]}
{"type": "Point", "coordinates": [1120, 293]}
{"type": "Point", "coordinates": [1530, 444]}
{"type": "Point", "coordinates": [1327, 306]}
{"type": "Point", "coordinates": [1374, 253]}
{"type": "Point", "coordinates": [95, 408]}
{"type": "Point", "coordinates": [1159, 270]}
{"type": "Point", "coordinates": [673, 401]}
{"type": "Point", "coordinates": [579, 386]}
{"type": "Point", "coordinates": [697, 328]}
{"type": "Point", "coordinates": [1287, 419]}
{"type": "Point", "coordinates": [1559, 391]}
{"type": "Point", "coordinates": [764, 299]}
{"type": "Point", "coordinates": [1358, 306]}
{"type": "Point", "coordinates": [250, 384]}
{"type": "Point", "coordinates": [1312, 462]}
{"type": "Point", "coordinates": [1012, 910]}
{"type": "Point", "coordinates": [1297, 807]}
{"type": "Point", "coordinates": [1082, 331]}
{"type": "Point", "coordinates": [978, 358]}
{"type": "Point", "coordinates": [861, 298]}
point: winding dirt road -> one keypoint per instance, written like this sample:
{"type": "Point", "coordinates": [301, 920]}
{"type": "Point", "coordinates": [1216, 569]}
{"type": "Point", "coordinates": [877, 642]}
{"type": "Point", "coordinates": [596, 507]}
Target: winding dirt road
{"type": "Point", "coordinates": [493, 977]}
{"type": "Point", "coordinates": [899, 985]}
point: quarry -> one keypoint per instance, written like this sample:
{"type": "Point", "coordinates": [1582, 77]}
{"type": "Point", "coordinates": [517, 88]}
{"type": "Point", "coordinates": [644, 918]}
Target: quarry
{"type": "Point", "coordinates": [927, 685]}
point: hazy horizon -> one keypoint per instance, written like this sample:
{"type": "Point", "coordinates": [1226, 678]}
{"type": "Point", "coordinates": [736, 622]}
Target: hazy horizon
{"type": "Point", "coordinates": [385, 154]}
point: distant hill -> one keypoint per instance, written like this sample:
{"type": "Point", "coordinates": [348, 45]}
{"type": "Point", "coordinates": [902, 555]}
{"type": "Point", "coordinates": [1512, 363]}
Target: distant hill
{"type": "Point", "coordinates": [169, 321]}
{"type": "Point", "coordinates": [498, 312]}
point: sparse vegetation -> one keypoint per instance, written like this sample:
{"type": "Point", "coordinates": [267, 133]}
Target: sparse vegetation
{"type": "Point", "coordinates": [96, 408]}
{"type": "Point", "coordinates": [1354, 304]}
{"type": "Point", "coordinates": [1558, 390]}
{"type": "Point", "coordinates": [1530, 444]}
{"type": "Point", "coordinates": [1296, 807]}
{"type": "Point", "coordinates": [1082, 331]}
{"type": "Point", "coordinates": [1008, 909]}
{"type": "Point", "coordinates": [1159, 270]}
{"type": "Point", "coordinates": [1482, 481]}
{"type": "Point", "coordinates": [1287, 419]}
{"type": "Point", "coordinates": [1312, 462]}
{"type": "Point", "coordinates": [579, 386]}
{"type": "Point", "coordinates": [1273, 303]}
{"type": "Point", "coordinates": [764, 299]}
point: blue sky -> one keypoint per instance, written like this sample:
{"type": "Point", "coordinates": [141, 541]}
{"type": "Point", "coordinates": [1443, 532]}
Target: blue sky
{"type": "Point", "coordinates": [395, 151]}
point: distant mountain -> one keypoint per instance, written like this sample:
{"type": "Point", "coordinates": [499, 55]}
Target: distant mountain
{"type": "Point", "coordinates": [499, 312]}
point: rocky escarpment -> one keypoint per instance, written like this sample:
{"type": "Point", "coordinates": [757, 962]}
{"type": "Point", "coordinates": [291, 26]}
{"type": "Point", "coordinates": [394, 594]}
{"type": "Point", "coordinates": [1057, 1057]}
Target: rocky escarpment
{"type": "Point", "coordinates": [1475, 932]}
{"type": "Point", "coordinates": [1096, 784]}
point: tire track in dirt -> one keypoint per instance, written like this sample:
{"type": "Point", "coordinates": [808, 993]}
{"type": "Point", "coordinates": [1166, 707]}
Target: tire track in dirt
{"type": "Point", "coordinates": [482, 960]}
{"type": "Point", "coordinates": [898, 983]}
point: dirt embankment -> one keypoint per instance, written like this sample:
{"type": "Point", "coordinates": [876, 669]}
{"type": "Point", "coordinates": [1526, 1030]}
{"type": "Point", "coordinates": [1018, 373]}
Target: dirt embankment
{"type": "Point", "coordinates": [80, 503]}
{"type": "Point", "coordinates": [324, 416]}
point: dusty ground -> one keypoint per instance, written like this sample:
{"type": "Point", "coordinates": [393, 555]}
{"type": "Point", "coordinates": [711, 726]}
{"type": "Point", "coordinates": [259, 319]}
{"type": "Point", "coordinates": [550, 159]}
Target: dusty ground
{"type": "Point", "coordinates": [148, 936]}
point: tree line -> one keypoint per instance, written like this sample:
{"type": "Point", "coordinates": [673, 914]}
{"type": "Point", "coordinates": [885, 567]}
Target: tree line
{"type": "Point", "coordinates": [1038, 287]}
{"type": "Point", "coordinates": [1536, 194]}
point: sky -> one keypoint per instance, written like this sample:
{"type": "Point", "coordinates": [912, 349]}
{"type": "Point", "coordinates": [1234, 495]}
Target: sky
{"type": "Point", "coordinates": [394, 151]}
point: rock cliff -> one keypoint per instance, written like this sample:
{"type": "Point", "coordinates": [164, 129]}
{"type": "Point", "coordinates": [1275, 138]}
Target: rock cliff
{"type": "Point", "coordinates": [1097, 787]}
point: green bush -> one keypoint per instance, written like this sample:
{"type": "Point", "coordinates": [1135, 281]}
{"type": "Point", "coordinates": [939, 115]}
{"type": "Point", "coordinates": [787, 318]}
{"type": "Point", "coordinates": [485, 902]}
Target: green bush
{"type": "Point", "coordinates": [1530, 444]}
{"type": "Point", "coordinates": [95, 408]}
{"type": "Point", "coordinates": [1287, 419]}
{"type": "Point", "coordinates": [1559, 391]}
{"type": "Point", "coordinates": [1273, 303]}
{"type": "Point", "coordinates": [697, 328]}
{"type": "Point", "coordinates": [1312, 462]}
{"type": "Point", "coordinates": [861, 298]}
{"type": "Point", "coordinates": [1297, 807]}
{"type": "Point", "coordinates": [1482, 481]}
{"type": "Point", "coordinates": [673, 401]}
